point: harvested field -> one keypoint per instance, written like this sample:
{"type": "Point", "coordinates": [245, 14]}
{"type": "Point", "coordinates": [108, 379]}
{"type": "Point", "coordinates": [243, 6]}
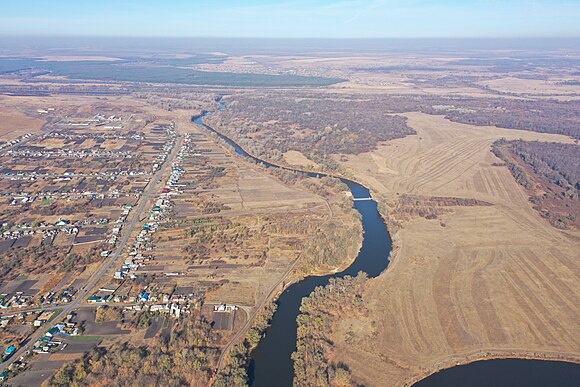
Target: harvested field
{"type": "Point", "coordinates": [155, 327]}
{"type": "Point", "coordinates": [93, 328]}
{"type": "Point", "coordinates": [38, 373]}
{"type": "Point", "coordinates": [476, 281]}
{"type": "Point", "coordinates": [443, 159]}
{"type": "Point", "coordinates": [536, 87]}
{"type": "Point", "coordinates": [47, 364]}
{"type": "Point", "coordinates": [63, 356]}
{"type": "Point", "coordinates": [14, 123]}
{"type": "Point", "coordinates": [237, 229]}
{"type": "Point", "coordinates": [223, 320]}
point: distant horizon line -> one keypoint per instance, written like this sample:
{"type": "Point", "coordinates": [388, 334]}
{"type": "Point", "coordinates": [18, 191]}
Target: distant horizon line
{"type": "Point", "coordinates": [291, 38]}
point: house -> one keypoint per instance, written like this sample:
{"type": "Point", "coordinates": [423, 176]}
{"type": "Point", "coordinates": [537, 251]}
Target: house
{"type": "Point", "coordinates": [62, 222]}
{"type": "Point", "coordinates": [175, 310]}
{"type": "Point", "coordinates": [159, 308]}
{"type": "Point", "coordinates": [43, 318]}
{"type": "Point", "coordinates": [9, 351]}
{"type": "Point", "coordinates": [52, 331]}
{"type": "Point", "coordinates": [225, 308]}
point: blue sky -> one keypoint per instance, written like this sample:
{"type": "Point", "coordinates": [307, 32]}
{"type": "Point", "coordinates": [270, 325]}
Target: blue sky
{"type": "Point", "coordinates": [292, 18]}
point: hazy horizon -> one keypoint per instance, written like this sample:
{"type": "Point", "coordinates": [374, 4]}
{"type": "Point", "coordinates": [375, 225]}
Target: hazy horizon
{"type": "Point", "coordinates": [239, 45]}
{"type": "Point", "coordinates": [293, 19]}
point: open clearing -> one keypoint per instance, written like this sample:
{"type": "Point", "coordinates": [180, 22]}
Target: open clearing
{"type": "Point", "coordinates": [14, 123]}
{"type": "Point", "coordinates": [490, 280]}
{"type": "Point", "coordinates": [537, 87]}
{"type": "Point", "coordinates": [296, 158]}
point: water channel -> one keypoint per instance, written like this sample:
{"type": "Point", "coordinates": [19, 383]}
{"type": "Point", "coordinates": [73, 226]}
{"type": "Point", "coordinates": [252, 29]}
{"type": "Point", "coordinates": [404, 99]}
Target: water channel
{"type": "Point", "coordinates": [271, 364]}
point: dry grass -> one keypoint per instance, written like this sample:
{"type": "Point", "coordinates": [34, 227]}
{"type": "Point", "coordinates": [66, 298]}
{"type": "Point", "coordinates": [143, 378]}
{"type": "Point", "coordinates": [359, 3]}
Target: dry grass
{"type": "Point", "coordinates": [14, 123]}
{"type": "Point", "coordinates": [242, 267]}
{"type": "Point", "coordinates": [297, 158]}
{"type": "Point", "coordinates": [496, 279]}
{"type": "Point", "coordinates": [65, 356]}
{"type": "Point", "coordinates": [550, 87]}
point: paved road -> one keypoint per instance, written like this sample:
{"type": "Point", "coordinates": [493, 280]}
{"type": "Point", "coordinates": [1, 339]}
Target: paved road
{"type": "Point", "coordinates": [128, 228]}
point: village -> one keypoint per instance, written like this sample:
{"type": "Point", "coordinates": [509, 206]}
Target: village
{"type": "Point", "coordinates": [73, 186]}
{"type": "Point", "coordinates": [122, 226]}
{"type": "Point", "coordinates": [69, 193]}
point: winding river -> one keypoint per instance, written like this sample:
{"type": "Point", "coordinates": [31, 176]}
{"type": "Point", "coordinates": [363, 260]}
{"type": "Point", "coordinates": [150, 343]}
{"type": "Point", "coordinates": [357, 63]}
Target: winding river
{"type": "Point", "coordinates": [270, 363]}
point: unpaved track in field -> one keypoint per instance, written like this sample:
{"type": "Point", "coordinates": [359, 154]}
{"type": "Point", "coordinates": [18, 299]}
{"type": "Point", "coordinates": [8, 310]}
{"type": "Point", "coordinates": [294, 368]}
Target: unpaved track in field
{"type": "Point", "coordinates": [128, 228]}
{"type": "Point", "coordinates": [498, 280]}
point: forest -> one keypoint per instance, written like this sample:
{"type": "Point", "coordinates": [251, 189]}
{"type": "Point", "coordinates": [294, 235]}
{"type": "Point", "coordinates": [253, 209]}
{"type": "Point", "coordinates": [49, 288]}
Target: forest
{"type": "Point", "coordinates": [331, 247]}
{"type": "Point", "coordinates": [332, 244]}
{"type": "Point", "coordinates": [314, 125]}
{"type": "Point", "coordinates": [558, 162]}
{"type": "Point", "coordinates": [405, 207]}
{"type": "Point", "coordinates": [184, 358]}
{"type": "Point", "coordinates": [270, 124]}
{"type": "Point", "coordinates": [234, 374]}
{"type": "Point", "coordinates": [45, 258]}
{"type": "Point", "coordinates": [544, 116]}
{"type": "Point", "coordinates": [155, 71]}
{"type": "Point", "coordinates": [318, 313]}
{"type": "Point", "coordinates": [550, 172]}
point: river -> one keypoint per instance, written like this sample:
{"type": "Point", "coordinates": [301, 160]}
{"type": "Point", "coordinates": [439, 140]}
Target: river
{"type": "Point", "coordinates": [507, 372]}
{"type": "Point", "coordinates": [270, 363]}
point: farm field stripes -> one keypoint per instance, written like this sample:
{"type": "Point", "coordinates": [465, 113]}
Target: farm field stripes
{"type": "Point", "coordinates": [478, 279]}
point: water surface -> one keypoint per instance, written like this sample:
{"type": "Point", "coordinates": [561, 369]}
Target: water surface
{"type": "Point", "coordinates": [507, 373]}
{"type": "Point", "coordinates": [271, 364]}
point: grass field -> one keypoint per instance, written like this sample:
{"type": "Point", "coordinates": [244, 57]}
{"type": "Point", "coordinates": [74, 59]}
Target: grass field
{"type": "Point", "coordinates": [484, 279]}
{"type": "Point", "coordinates": [262, 227]}
{"type": "Point", "coordinates": [296, 158]}
{"type": "Point", "coordinates": [14, 123]}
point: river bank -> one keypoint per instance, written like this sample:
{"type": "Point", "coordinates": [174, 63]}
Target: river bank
{"type": "Point", "coordinates": [490, 356]}
{"type": "Point", "coordinates": [271, 360]}
{"type": "Point", "coordinates": [481, 273]}
{"type": "Point", "coordinates": [278, 338]}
